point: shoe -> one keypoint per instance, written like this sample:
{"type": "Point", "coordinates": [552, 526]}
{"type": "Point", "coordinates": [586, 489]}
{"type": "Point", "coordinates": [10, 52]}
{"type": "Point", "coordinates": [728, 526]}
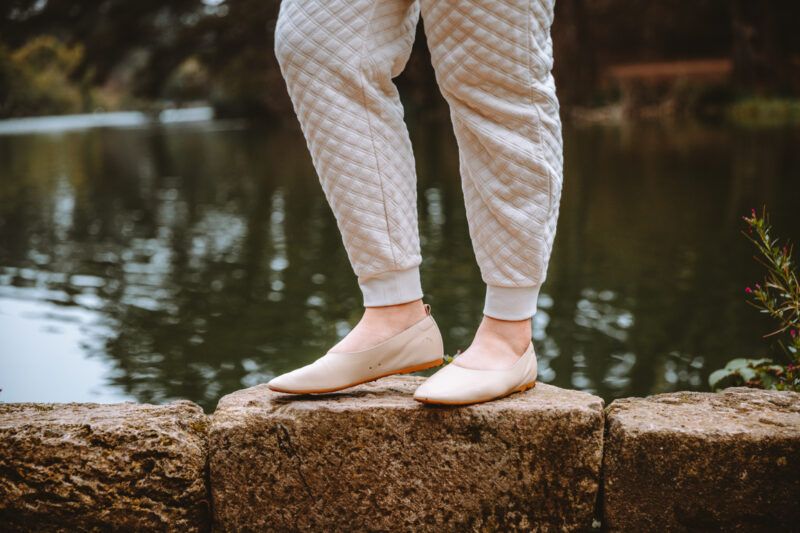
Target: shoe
{"type": "Point", "coordinates": [457, 385]}
{"type": "Point", "coordinates": [418, 347]}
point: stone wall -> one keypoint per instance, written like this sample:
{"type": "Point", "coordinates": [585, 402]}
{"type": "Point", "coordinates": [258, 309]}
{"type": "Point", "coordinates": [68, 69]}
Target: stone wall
{"type": "Point", "coordinates": [124, 467]}
{"type": "Point", "coordinates": [371, 458]}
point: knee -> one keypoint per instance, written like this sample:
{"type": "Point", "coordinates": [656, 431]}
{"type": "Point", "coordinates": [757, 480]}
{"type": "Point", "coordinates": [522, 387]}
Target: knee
{"type": "Point", "coordinates": [300, 45]}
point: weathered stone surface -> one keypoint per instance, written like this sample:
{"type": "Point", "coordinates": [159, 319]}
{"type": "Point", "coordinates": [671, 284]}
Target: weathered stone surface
{"type": "Point", "coordinates": [91, 467]}
{"type": "Point", "coordinates": [691, 461]}
{"type": "Point", "coordinates": [373, 459]}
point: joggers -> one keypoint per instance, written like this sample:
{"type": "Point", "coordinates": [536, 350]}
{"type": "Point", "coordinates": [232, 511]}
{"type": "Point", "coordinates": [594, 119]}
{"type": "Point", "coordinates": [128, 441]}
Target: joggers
{"type": "Point", "coordinates": [493, 61]}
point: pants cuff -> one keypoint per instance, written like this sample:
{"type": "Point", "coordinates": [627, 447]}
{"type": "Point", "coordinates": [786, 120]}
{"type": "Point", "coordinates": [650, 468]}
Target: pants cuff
{"type": "Point", "coordinates": [391, 288]}
{"type": "Point", "coordinates": [511, 303]}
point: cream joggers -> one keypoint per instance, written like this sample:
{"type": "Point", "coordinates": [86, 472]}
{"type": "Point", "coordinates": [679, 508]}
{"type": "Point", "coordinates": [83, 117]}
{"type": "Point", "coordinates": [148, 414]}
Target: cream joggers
{"type": "Point", "coordinates": [493, 61]}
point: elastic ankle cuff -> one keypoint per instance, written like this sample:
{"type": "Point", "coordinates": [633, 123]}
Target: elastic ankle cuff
{"type": "Point", "coordinates": [391, 288]}
{"type": "Point", "coordinates": [511, 303]}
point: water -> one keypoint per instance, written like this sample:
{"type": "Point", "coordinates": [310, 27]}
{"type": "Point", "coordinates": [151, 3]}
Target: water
{"type": "Point", "coordinates": [158, 262]}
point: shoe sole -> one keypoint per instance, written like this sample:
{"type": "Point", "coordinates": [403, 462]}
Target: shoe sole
{"type": "Point", "coordinates": [521, 388]}
{"type": "Point", "coordinates": [408, 370]}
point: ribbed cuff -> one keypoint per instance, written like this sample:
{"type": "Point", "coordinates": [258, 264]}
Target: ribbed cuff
{"type": "Point", "coordinates": [392, 288]}
{"type": "Point", "coordinates": [511, 303]}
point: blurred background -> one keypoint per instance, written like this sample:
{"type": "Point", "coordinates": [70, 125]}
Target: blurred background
{"type": "Point", "coordinates": [163, 234]}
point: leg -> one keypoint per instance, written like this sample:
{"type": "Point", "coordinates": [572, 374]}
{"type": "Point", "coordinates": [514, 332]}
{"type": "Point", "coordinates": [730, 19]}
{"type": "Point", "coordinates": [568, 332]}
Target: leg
{"type": "Point", "coordinates": [493, 63]}
{"type": "Point", "coordinates": [338, 59]}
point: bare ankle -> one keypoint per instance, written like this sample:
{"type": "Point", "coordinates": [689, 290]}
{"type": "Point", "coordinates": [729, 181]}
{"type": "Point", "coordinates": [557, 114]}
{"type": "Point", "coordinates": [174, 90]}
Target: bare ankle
{"type": "Point", "coordinates": [405, 309]}
{"type": "Point", "coordinates": [516, 333]}
{"type": "Point", "coordinates": [397, 314]}
{"type": "Point", "coordinates": [379, 323]}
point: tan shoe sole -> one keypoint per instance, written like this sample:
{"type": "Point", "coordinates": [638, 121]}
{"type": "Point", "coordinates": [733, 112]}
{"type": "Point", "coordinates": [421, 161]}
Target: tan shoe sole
{"type": "Point", "coordinates": [416, 368]}
{"type": "Point", "coordinates": [521, 388]}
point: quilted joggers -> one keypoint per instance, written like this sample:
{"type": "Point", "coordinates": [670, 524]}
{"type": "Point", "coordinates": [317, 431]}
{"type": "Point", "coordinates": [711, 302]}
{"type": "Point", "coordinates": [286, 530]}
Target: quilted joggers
{"type": "Point", "coordinates": [493, 61]}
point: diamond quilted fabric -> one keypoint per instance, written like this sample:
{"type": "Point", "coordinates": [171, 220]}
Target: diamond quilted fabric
{"type": "Point", "coordinates": [493, 62]}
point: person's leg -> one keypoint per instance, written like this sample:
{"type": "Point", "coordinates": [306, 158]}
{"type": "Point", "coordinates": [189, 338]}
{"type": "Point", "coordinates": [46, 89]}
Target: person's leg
{"type": "Point", "coordinates": [338, 58]}
{"type": "Point", "coordinates": [493, 61]}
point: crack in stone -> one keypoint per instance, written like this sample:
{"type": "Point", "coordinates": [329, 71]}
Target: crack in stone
{"type": "Point", "coordinates": [287, 447]}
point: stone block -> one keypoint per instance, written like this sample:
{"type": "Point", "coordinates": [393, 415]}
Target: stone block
{"type": "Point", "coordinates": [373, 459]}
{"type": "Point", "coordinates": [695, 461]}
{"type": "Point", "coordinates": [92, 467]}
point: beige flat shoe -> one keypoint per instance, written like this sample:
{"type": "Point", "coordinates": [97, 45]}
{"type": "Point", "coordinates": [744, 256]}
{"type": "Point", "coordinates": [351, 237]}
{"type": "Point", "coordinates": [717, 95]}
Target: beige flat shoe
{"type": "Point", "coordinates": [416, 348]}
{"type": "Point", "coordinates": [457, 385]}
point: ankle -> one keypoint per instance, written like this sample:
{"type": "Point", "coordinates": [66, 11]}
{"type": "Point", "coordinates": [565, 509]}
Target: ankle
{"type": "Point", "coordinates": [515, 334]}
{"type": "Point", "coordinates": [399, 314]}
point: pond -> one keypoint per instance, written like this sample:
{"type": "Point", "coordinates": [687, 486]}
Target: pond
{"type": "Point", "coordinates": [189, 260]}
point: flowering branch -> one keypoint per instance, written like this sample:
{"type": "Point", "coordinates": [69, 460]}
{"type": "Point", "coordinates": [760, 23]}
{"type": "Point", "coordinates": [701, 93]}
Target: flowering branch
{"type": "Point", "coordinates": [779, 296]}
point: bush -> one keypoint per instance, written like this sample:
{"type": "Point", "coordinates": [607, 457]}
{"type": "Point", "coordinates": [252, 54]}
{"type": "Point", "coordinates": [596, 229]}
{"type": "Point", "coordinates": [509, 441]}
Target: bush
{"type": "Point", "coordinates": [35, 79]}
{"type": "Point", "coordinates": [778, 296]}
{"type": "Point", "coordinates": [765, 112]}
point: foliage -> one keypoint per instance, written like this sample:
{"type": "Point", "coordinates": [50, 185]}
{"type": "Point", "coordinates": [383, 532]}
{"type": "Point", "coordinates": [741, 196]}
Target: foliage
{"type": "Point", "coordinates": [188, 82]}
{"type": "Point", "coordinates": [757, 373]}
{"type": "Point", "coordinates": [34, 79]}
{"type": "Point", "coordinates": [214, 50]}
{"type": "Point", "coordinates": [758, 111]}
{"type": "Point", "coordinates": [140, 46]}
{"type": "Point", "coordinates": [779, 297]}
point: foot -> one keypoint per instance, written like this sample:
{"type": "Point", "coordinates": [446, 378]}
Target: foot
{"type": "Point", "coordinates": [380, 323]}
{"type": "Point", "coordinates": [394, 349]}
{"type": "Point", "coordinates": [498, 344]}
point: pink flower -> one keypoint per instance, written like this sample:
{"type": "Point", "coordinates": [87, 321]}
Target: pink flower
{"type": "Point", "coordinates": [753, 212]}
{"type": "Point", "coordinates": [793, 333]}
{"type": "Point", "coordinates": [748, 290]}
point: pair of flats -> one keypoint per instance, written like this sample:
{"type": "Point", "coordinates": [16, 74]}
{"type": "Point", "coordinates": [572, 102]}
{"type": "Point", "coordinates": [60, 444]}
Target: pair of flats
{"type": "Point", "coordinates": [416, 348]}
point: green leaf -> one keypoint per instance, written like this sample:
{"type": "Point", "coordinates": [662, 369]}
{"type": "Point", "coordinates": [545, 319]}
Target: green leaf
{"type": "Point", "coordinates": [746, 372]}
{"type": "Point", "coordinates": [737, 363]}
{"type": "Point", "coordinates": [722, 378]}
{"type": "Point", "coordinates": [768, 381]}
{"type": "Point", "coordinates": [717, 376]}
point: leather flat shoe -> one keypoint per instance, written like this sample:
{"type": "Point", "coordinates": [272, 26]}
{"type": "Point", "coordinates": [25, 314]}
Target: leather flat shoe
{"type": "Point", "coordinates": [458, 385]}
{"type": "Point", "coordinates": [416, 348]}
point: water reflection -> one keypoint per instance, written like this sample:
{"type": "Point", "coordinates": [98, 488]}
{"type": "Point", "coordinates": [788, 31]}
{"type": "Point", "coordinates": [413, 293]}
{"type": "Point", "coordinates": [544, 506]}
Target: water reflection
{"type": "Point", "coordinates": [186, 262]}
